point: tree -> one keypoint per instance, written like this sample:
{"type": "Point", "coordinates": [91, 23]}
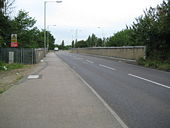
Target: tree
{"type": "Point", "coordinates": [62, 43]}
{"type": "Point", "coordinates": [99, 42]}
{"type": "Point", "coordinates": [81, 44]}
{"type": "Point", "coordinates": [5, 22]}
{"type": "Point", "coordinates": [51, 41]}
{"type": "Point", "coordinates": [92, 41]}
{"type": "Point", "coordinates": [1, 5]}
{"type": "Point", "coordinates": [153, 30]}
{"type": "Point", "coordinates": [5, 30]}
{"type": "Point", "coordinates": [23, 27]}
{"type": "Point", "coordinates": [121, 38]}
{"type": "Point", "coordinates": [6, 6]}
{"type": "Point", "coordinates": [28, 35]}
{"type": "Point", "coordinates": [23, 21]}
{"type": "Point", "coordinates": [72, 44]}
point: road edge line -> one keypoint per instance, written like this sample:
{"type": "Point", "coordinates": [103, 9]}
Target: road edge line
{"type": "Point", "coordinates": [113, 113]}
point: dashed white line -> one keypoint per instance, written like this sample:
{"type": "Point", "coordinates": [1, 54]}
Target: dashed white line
{"type": "Point", "coordinates": [165, 86]}
{"type": "Point", "coordinates": [90, 61]}
{"type": "Point", "coordinates": [107, 67]}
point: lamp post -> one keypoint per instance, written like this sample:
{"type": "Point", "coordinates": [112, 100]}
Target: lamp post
{"type": "Point", "coordinates": [45, 38]}
{"type": "Point", "coordinates": [102, 34]}
{"type": "Point", "coordinates": [48, 26]}
{"type": "Point", "coordinates": [77, 31]}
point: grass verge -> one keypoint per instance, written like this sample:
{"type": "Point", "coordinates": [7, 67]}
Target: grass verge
{"type": "Point", "coordinates": [1, 90]}
{"type": "Point", "coordinates": [9, 69]}
{"type": "Point", "coordinates": [5, 66]}
{"type": "Point", "coordinates": [161, 65]}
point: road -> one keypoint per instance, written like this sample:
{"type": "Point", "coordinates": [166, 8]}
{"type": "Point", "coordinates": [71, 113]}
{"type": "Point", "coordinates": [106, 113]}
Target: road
{"type": "Point", "coordinates": [140, 96]}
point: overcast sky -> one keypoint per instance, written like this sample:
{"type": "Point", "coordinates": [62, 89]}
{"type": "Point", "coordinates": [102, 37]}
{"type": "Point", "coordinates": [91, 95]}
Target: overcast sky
{"type": "Point", "coordinates": [101, 17]}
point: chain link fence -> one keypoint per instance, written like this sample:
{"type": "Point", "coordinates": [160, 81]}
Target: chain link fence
{"type": "Point", "coordinates": [21, 55]}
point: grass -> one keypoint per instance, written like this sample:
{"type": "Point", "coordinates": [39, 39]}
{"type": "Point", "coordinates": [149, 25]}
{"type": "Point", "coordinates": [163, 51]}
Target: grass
{"type": "Point", "coordinates": [1, 90]}
{"type": "Point", "coordinates": [5, 66]}
{"type": "Point", "coordinates": [161, 65]}
{"type": "Point", "coordinates": [8, 67]}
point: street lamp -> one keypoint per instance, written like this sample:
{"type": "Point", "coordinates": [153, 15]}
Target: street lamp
{"type": "Point", "coordinates": [76, 34]}
{"type": "Point", "coordinates": [45, 38]}
{"type": "Point", "coordinates": [102, 34]}
{"type": "Point", "coordinates": [48, 26]}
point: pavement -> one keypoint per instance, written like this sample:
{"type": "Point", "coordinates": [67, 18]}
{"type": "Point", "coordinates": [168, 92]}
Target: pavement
{"type": "Point", "coordinates": [59, 98]}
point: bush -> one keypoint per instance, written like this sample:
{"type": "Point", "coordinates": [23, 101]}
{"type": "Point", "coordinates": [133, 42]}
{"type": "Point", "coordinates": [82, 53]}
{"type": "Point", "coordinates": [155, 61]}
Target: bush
{"type": "Point", "coordinates": [165, 67]}
{"type": "Point", "coordinates": [2, 66]}
{"type": "Point", "coordinates": [154, 64]}
{"type": "Point", "coordinates": [141, 61]}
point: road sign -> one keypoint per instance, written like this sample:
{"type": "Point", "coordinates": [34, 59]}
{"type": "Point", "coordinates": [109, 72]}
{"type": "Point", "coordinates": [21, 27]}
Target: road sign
{"type": "Point", "coordinates": [14, 42]}
{"type": "Point", "coordinates": [13, 37]}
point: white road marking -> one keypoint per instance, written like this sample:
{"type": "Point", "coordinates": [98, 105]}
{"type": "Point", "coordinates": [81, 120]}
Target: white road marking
{"type": "Point", "coordinates": [165, 86]}
{"type": "Point", "coordinates": [115, 115]}
{"type": "Point", "coordinates": [107, 67]}
{"type": "Point", "coordinates": [90, 61]}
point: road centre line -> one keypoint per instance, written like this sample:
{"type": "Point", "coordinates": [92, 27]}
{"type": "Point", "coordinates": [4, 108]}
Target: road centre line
{"type": "Point", "coordinates": [90, 61]}
{"type": "Point", "coordinates": [165, 86]}
{"type": "Point", "coordinates": [107, 67]}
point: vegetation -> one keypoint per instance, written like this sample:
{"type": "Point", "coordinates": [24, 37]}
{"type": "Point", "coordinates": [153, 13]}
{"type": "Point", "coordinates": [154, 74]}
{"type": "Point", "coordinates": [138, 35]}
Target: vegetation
{"type": "Point", "coordinates": [62, 46]}
{"type": "Point", "coordinates": [152, 29]}
{"type": "Point", "coordinates": [154, 64]}
{"type": "Point", "coordinates": [122, 38]}
{"type": "Point", "coordinates": [28, 35]}
{"type": "Point", "coordinates": [5, 66]}
{"type": "Point", "coordinates": [92, 41]}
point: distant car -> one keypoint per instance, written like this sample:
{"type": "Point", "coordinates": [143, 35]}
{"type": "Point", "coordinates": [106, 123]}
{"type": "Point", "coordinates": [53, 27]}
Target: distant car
{"type": "Point", "coordinates": [56, 49]}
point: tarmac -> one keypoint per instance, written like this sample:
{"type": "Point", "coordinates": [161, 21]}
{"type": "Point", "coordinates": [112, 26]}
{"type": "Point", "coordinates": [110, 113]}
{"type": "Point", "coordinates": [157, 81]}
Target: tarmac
{"type": "Point", "coordinates": [54, 97]}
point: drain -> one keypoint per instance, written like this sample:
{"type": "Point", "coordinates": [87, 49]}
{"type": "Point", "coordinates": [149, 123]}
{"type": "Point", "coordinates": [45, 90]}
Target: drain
{"type": "Point", "coordinates": [33, 77]}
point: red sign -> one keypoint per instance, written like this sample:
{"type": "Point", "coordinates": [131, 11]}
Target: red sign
{"type": "Point", "coordinates": [14, 44]}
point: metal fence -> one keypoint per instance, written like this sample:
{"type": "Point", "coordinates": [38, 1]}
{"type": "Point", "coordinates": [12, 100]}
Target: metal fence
{"type": "Point", "coordinates": [22, 55]}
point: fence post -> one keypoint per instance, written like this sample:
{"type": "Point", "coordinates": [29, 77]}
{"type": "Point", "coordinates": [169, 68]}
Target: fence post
{"type": "Point", "coordinates": [144, 52]}
{"type": "Point", "coordinates": [21, 56]}
{"type": "Point", "coordinates": [11, 57]}
{"type": "Point", "coordinates": [32, 55]}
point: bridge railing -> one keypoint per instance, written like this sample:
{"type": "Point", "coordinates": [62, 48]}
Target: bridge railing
{"type": "Point", "coordinates": [125, 52]}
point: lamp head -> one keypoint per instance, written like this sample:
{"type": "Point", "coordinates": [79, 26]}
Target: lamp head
{"type": "Point", "coordinates": [58, 1]}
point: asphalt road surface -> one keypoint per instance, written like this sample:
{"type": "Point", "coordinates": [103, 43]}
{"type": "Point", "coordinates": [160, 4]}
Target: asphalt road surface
{"type": "Point", "coordinates": [140, 96]}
